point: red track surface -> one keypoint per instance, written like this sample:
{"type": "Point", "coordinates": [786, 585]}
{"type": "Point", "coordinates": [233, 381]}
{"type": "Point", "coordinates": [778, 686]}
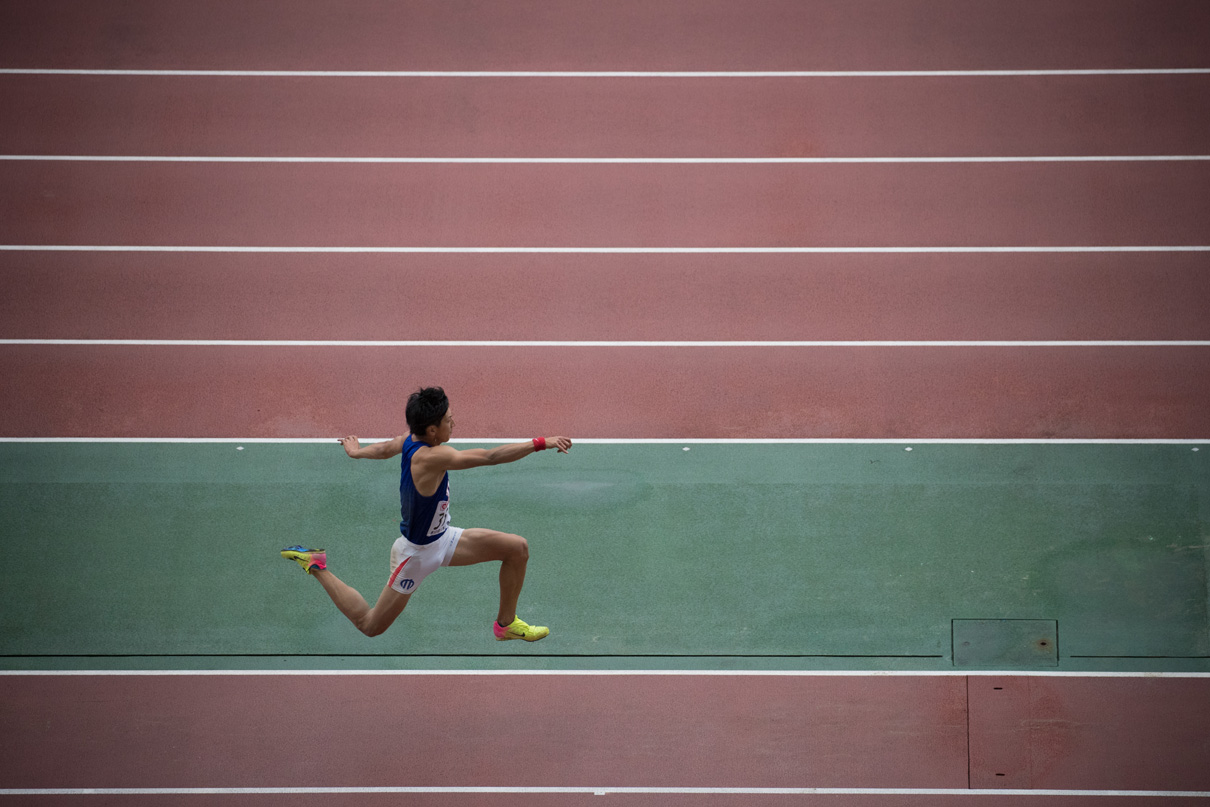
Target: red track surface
{"type": "Point", "coordinates": [434, 731]}
{"type": "Point", "coordinates": [828, 297]}
{"type": "Point", "coordinates": [583, 731]}
{"type": "Point", "coordinates": [620, 35]}
{"type": "Point", "coordinates": [615, 800]}
{"type": "Point", "coordinates": [606, 205]}
{"type": "Point", "coordinates": [587, 117]}
{"type": "Point", "coordinates": [101, 391]}
{"type": "Point", "coordinates": [1090, 733]}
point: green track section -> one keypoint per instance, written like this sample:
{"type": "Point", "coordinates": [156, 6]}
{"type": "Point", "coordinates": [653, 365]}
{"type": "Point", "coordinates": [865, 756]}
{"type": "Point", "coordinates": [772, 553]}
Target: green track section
{"type": "Point", "coordinates": [818, 556]}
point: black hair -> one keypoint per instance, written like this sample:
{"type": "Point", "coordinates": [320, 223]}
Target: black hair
{"type": "Point", "coordinates": [426, 407]}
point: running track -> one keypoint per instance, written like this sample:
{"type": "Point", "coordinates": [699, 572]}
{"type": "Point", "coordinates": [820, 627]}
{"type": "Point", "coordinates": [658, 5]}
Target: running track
{"type": "Point", "coordinates": [611, 731]}
{"type": "Point", "coordinates": [948, 732]}
{"type": "Point", "coordinates": [627, 35]}
{"type": "Point", "coordinates": [587, 118]}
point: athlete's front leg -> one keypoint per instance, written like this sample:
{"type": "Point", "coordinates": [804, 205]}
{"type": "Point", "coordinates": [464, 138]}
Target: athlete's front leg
{"type": "Point", "coordinates": [481, 546]}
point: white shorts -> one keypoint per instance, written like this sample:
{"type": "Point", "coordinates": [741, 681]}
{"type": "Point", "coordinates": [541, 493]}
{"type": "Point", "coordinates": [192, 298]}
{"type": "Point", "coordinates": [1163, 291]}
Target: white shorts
{"type": "Point", "coordinates": [411, 563]}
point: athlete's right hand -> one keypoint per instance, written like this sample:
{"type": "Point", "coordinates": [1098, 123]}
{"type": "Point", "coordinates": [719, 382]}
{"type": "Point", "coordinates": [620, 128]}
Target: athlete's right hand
{"type": "Point", "coordinates": [351, 445]}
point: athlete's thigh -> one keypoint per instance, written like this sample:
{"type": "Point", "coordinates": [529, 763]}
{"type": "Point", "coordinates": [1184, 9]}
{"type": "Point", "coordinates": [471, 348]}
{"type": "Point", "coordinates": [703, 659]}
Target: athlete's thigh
{"type": "Point", "coordinates": [478, 545]}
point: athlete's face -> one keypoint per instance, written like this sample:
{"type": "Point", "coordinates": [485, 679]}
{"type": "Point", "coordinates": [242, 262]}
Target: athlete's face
{"type": "Point", "coordinates": [446, 429]}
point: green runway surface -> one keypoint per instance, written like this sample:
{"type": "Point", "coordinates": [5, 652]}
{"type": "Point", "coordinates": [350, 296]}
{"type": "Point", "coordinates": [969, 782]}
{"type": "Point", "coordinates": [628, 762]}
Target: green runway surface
{"type": "Point", "coordinates": [817, 556]}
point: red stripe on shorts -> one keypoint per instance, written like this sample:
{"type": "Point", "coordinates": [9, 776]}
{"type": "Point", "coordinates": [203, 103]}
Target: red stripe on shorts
{"type": "Point", "coordinates": [397, 571]}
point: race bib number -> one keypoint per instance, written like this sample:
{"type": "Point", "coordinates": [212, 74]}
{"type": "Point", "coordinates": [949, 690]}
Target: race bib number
{"type": "Point", "coordinates": [441, 518]}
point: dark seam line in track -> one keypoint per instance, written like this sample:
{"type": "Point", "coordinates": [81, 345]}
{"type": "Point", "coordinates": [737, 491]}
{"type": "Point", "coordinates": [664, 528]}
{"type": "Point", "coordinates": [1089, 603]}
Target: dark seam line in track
{"type": "Point", "coordinates": [1156, 657]}
{"type": "Point", "coordinates": [451, 655]}
{"type": "Point", "coordinates": [968, 731]}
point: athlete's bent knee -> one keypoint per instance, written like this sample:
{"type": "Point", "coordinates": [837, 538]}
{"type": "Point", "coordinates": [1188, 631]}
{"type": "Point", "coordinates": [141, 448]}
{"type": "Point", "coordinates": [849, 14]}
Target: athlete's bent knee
{"type": "Point", "coordinates": [520, 548]}
{"type": "Point", "coordinates": [372, 629]}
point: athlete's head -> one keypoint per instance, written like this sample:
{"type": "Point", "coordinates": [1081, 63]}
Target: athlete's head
{"type": "Point", "coordinates": [426, 408]}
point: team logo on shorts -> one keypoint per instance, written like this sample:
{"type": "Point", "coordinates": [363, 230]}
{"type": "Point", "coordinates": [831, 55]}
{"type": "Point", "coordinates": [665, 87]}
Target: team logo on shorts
{"type": "Point", "coordinates": [406, 584]}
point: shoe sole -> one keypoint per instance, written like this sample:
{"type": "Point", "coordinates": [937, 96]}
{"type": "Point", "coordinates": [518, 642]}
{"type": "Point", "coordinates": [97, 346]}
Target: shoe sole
{"type": "Point", "coordinates": [523, 638]}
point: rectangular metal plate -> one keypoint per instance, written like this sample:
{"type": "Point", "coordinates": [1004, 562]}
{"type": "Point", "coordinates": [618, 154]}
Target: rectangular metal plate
{"type": "Point", "coordinates": [1006, 644]}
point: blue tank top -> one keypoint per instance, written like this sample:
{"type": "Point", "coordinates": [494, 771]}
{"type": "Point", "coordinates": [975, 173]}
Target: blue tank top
{"type": "Point", "coordinates": [422, 518]}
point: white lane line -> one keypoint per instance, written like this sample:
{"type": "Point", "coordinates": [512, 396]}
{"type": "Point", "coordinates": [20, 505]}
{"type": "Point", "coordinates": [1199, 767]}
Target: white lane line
{"type": "Point", "coordinates": [598, 790]}
{"type": "Point", "coordinates": [1161, 71]}
{"type": "Point", "coordinates": [602, 160]}
{"type": "Point", "coordinates": [586, 343]}
{"type": "Point", "coordinates": [599, 250]}
{"type": "Point", "coordinates": [655, 440]}
{"type": "Point", "coordinates": [641, 673]}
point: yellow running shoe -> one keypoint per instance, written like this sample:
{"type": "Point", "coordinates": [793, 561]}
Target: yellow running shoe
{"type": "Point", "coordinates": [309, 559]}
{"type": "Point", "coordinates": [519, 630]}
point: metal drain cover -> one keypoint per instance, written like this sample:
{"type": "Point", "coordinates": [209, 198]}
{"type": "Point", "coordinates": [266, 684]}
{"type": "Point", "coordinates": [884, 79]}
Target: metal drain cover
{"type": "Point", "coordinates": [1006, 643]}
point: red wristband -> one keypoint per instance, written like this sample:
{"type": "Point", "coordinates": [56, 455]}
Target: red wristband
{"type": "Point", "coordinates": [539, 443]}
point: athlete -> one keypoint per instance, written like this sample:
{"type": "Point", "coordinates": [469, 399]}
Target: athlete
{"type": "Point", "coordinates": [427, 540]}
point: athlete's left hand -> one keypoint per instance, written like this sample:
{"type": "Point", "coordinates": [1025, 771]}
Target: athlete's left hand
{"type": "Point", "coordinates": [561, 443]}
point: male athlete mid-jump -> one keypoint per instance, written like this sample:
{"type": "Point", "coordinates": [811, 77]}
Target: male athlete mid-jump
{"type": "Point", "coordinates": [428, 541]}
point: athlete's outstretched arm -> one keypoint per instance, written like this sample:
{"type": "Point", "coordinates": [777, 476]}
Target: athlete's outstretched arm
{"type": "Point", "coordinates": [443, 458]}
{"type": "Point", "coordinates": [374, 451]}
